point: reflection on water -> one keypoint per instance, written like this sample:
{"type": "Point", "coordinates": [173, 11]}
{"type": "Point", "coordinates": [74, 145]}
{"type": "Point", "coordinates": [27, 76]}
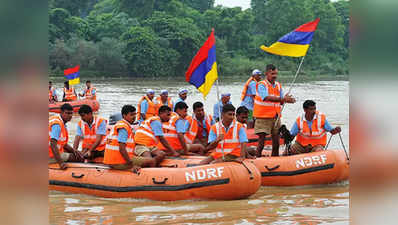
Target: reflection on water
{"type": "Point", "coordinates": [326, 204]}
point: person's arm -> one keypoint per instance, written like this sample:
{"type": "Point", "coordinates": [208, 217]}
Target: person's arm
{"type": "Point", "coordinates": [252, 89]}
{"type": "Point", "coordinates": [78, 137]}
{"type": "Point", "coordinates": [294, 130]}
{"type": "Point", "coordinates": [54, 94]}
{"type": "Point", "coordinates": [213, 140]}
{"type": "Point", "coordinates": [144, 109]}
{"type": "Point", "coordinates": [63, 97]}
{"type": "Point", "coordinates": [243, 140]}
{"type": "Point", "coordinates": [263, 91]}
{"type": "Point", "coordinates": [329, 128]}
{"type": "Point", "coordinates": [122, 139]}
{"type": "Point", "coordinates": [57, 156]}
{"type": "Point", "coordinates": [157, 130]}
{"type": "Point", "coordinates": [181, 129]}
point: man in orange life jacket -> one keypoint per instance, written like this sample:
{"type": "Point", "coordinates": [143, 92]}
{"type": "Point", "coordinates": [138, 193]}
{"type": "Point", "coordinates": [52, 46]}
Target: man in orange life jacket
{"type": "Point", "coordinates": [52, 95]}
{"type": "Point", "coordinates": [310, 128]}
{"type": "Point", "coordinates": [228, 137]}
{"type": "Point", "coordinates": [120, 144]}
{"type": "Point", "coordinates": [59, 150]}
{"type": "Point", "coordinates": [248, 94]}
{"type": "Point", "coordinates": [204, 121]}
{"type": "Point", "coordinates": [92, 130]}
{"type": "Point", "coordinates": [146, 106]}
{"type": "Point", "coordinates": [150, 133]}
{"type": "Point", "coordinates": [242, 114]}
{"type": "Point", "coordinates": [267, 107]}
{"type": "Point", "coordinates": [69, 93]}
{"type": "Point", "coordinates": [181, 131]}
{"type": "Point", "coordinates": [90, 92]}
{"type": "Point", "coordinates": [163, 99]}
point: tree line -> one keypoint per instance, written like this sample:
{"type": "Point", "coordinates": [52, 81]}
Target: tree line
{"type": "Point", "coordinates": [153, 38]}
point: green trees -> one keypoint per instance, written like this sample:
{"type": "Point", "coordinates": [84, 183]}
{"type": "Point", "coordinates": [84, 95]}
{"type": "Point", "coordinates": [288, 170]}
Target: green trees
{"type": "Point", "coordinates": [160, 37]}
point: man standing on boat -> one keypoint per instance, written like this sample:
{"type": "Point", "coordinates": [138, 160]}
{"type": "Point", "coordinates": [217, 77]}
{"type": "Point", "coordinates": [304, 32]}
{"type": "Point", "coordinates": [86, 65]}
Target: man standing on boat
{"type": "Point", "coordinates": [267, 109]}
{"type": "Point", "coordinates": [225, 99]}
{"type": "Point", "coordinates": [52, 94]}
{"type": "Point", "coordinates": [69, 93]}
{"type": "Point", "coordinates": [150, 134]}
{"type": "Point", "coordinates": [182, 93]}
{"type": "Point", "coordinates": [181, 131]}
{"type": "Point", "coordinates": [311, 129]}
{"type": "Point", "coordinates": [248, 94]}
{"type": "Point", "coordinates": [146, 107]}
{"type": "Point", "coordinates": [59, 151]}
{"type": "Point", "coordinates": [228, 137]}
{"type": "Point", "coordinates": [92, 130]}
{"type": "Point", "coordinates": [90, 91]}
{"type": "Point", "coordinates": [163, 99]}
{"type": "Point", "coordinates": [204, 121]}
{"type": "Point", "coordinates": [120, 144]}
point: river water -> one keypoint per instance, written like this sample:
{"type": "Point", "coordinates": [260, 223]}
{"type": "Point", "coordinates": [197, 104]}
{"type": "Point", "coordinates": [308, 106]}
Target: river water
{"type": "Point", "coordinates": [324, 204]}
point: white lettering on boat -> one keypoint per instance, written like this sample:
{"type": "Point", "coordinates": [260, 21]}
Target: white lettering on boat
{"type": "Point", "coordinates": [204, 173]}
{"type": "Point", "coordinates": [310, 161]}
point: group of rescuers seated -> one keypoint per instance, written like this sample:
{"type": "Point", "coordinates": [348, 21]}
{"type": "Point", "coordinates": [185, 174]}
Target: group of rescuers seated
{"type": "Point", "coordinates": [174, 133]}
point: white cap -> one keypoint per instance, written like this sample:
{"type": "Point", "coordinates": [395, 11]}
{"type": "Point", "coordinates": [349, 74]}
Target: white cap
{"type": "Point", "coordinates": [256, 71]}
{"type": "Point", "coordinates": [225, 95]}
{"type": "Point", "coordinates": [164, 91]}
{"type": "Point", "coordinates": [150, 91]}
{"type": "Point", "coordinates": [182, 91]}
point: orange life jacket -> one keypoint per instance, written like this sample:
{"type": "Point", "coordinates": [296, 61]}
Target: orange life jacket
{"type": "Point", "coordinates": [63, 138]}
{"type": "Point", "coordinates": [230, 144]}
{"type": "Point", "coordinates": [191, 133]}
{"type": "Point", "coordinates": [145, 135]}
{"type": "Point", "coordinates": [317, 135]}
{"type": "Point", "coordinates": [267, 109]}
{"type": "Point", "coordinates": [70, 94]}
{"type": "Point", "coordinates": [151, 108]}
{"type": "Point", "coordinates": [159, 103]}
{"type": "Point", "coordinates": [90, 134]}
{"type": "Point", "coordinates": [246, 87]}
{"type": "Point", "coordinates": [89, 93]}
{"type": "Point", "coordinates": [170, 134]}
{"type": "Point", "coordinates": [112, 153]}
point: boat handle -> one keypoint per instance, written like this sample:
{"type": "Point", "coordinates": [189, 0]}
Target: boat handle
{"type": "Point", "coordinates": [159, 182]}
{"type": "Point", "coordinates": [171, 166]}
{"type": "Point", "coordinates": [273, 168]}
{"type": "Point", "coordinates": [77, 176]}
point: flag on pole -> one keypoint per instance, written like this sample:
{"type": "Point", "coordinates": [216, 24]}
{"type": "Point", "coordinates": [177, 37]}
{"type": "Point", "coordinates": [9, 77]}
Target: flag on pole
{"type": "Point", "coordinates": [295, 43]}
{"type": "Point", "coordinates": [203, 69]}
{"type": "Point", "coordinates": [72, 75]}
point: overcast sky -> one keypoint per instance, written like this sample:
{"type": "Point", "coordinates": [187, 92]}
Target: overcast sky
{"type": "Point", "coordinates": [233, 3]}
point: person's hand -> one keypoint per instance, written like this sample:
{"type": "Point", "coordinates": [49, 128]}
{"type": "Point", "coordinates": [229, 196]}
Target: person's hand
{"type": "Point", "coordinates": [62, 166]}
{"type": "Point", "coordinates": [336, 130]}
{"type": "Point", "coordinates": [220, 138]}
{"type": "Point", "coordinates": [175, 154]}
{"type": "Point", "coordinates": [289, 99]}
{"type": "Point", "coordinates": [136, 169]}
{"type": "Point", "coordinates": [250, 156]}
{"type": "Point", "coordinates": [239, 160]}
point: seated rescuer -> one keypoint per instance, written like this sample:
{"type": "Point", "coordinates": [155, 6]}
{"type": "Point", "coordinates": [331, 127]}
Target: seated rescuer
{"type": "Point", "coordinates": [311, 128]}
{"type": "Point", "coordinates": [228, 137]}
{"type": "Point", "coordinates": [150, 133]}
{"type": "Point", "coordinates": [58, 139]}
{"type": "Point", "coordinates": [119, 149]}
{"type": "Point", "coordinates": [204, 121]}
{"type": "Point", "coordinates": [176, 132]}
{"type": "Point", "coordinates": [90, 92]}
{"type": "Point", "coordinates": [69, 93]}
{"type": "Point", "coordinates": [242, 115]}
{"type": "Point", "coordinates": [92, 130]}
{"type": "Point", "coordinates": [146, 106]}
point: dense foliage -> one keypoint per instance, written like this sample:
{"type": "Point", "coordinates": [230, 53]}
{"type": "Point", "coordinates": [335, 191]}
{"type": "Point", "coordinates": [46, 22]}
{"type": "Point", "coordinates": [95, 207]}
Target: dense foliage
{"type": "Point", "coordinates": [160, 37]}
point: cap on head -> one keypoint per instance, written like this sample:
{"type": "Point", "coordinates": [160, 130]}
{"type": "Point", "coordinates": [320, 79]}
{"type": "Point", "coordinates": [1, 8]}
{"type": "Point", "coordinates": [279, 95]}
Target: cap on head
{"type": "Point", "coordinates": [256, 72]}
{"type": "Point", "coordinates": [182, 91]}
{"type": "Point", "coordinates": [150, 91]}
{"type": "Point", "coordinates": [225, 95]}
{"type": "Point", "coordinates": [164, 92]}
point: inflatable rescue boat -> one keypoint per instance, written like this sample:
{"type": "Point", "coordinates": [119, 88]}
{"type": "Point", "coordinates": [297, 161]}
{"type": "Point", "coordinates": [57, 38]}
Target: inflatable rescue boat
{"type": "Point", "coordinates": [56, 107]}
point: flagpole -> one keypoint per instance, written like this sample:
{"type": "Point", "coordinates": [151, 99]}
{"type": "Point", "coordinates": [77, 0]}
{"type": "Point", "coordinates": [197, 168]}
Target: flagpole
{"type": "Point", "coordinates": [290, 89]}
{"type": "Point", "coordinates": [219, 118]}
